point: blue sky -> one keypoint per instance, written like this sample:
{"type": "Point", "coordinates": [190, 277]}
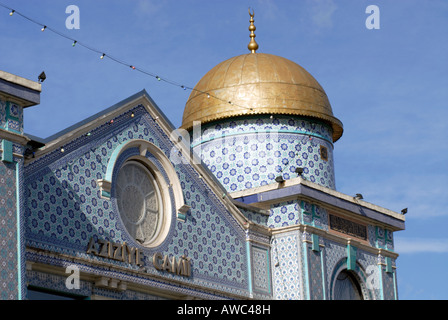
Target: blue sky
{"type": "Point", "coordinates": [388, 87]}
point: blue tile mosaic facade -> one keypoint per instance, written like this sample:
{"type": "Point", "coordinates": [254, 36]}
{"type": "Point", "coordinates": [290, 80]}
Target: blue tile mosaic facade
{"type": "Point", "coordinates": [295, 260]}
{"type": "Point", "coordinates": [287, 267]}
{"type": "Point", "coordinates": [250, 152]}
{"type": "Point", "coordinates": [12, 268]}
{"type": "Point", "coordinates": [289, 252]}
{"type": "Point", "coordinates": [9, 260]}
{"type": "Point", "coordinates": [64, 207]}
{"type": "Point", "coordinates": [11, 116]}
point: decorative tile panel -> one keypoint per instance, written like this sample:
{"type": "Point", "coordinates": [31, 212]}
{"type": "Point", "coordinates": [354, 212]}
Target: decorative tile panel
{"type": "Point", "coordinates": [293, 212]}
{"type": "Point", "coordinates": [64, 207]}
{"type": "Point", "coordinates": [389, 285]}
{"type": "Point", "coordinates": [2, 114]}
{"type": "Point", "coordinates": [287, 271]}
{"type": "Point", "coordinates": [251, 152]}
{"type": "Point", "coordinates": [260, 269]}
{"type": "Point", "coordinates": [284, 214]}
{"type": "Point", "coordinates": [315, 274]}
{"type": "Point", "coordinates": [9, 263]}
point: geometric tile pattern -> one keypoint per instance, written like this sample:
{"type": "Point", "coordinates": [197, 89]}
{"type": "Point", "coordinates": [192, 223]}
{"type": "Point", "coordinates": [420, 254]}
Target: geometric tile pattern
{"type": "Point", "coordinates": [381, 238]}
{"type": "Point", "coordinates": [318, 268]}
{"type": "Point", "coordinates": [286, 270]}
{"type": "Point", "coordinates": [315, 270]}
{"type": "Point", "coordinates": [334, 254]}
{"type": "Point", "coordinates": [2, 114]}
{"type": "Point", "coordinates": [260, 269]}
{"type": "Point", "coordinates": [9, 264]}
{"type": "Point", "coordinates": [64, 207]}
{"type": "Point", "coordinates": [250, 152]}
{"type": "Point", "coordinates": [294, 212]}
{"type": "Point", "coordinates": [388, 285]}
{"type": "Point", "coordinates": [11, 116]}
{"type": "Point", "coordinates": [284, 214]}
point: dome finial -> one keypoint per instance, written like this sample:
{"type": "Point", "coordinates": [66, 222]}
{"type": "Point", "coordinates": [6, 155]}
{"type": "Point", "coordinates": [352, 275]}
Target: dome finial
{"type": "Point", "coordinates": [253, 46]}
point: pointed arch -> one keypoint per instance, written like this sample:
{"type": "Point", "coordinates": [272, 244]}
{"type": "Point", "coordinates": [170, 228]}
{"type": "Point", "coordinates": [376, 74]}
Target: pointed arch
{"type": "Point", "coordinates": [356, 278]}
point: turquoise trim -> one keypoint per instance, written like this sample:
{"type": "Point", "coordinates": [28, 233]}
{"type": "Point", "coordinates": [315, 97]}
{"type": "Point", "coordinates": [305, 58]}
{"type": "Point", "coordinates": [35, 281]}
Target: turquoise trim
{"type": "Point", "coordinates": [18, 235]}
{"type": "Point", "coordinates": [395, 286]}
{"type": "Point", "coordinates": [313, 212]}
{"type": "Point", "coordinates": [324, 292]}
{"type": "Point", "coordinates": [303, 212]}
{"type": "Point", "coordinates": [105, 194]}
{"type": "Point", "coordinates": [381, 282]}
{"type": "Point", "coordinates": [312, 215]}
{"type": "Point", "coordinates": [315, 246]}
{"type": "Point", "coordinates": [113, 158]}
{"type": "Point", "coordinates": [262, 131]}
{"type": "Point", "coordinates": [389, 265]}
{"type": "Point", "coordinates": [306, 292]}
{"type": "Point", "coordinates": [249, 267]}
{"type": "Point", "coordinates": [351, 257]}
{"type": "Point", "coordinates": [7, 155]}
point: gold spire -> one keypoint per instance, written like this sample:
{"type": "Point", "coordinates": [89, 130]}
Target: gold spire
{"type": "Point", "coordinates": [253, 46]}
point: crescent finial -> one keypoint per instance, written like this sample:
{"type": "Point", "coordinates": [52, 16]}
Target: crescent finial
{"type": "Point", "coordinates": [253, 46]}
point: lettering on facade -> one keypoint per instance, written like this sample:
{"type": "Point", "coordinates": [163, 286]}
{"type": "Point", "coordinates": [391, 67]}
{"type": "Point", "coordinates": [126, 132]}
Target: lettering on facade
{"type": "Point", "coordinates": [115, 251]}
{"type": "Point", "coordinates": [348, 227]}
{"type": "Point", "coordinates": [125, 253]}
{"type": "Point", "coordinates": [179, 266]}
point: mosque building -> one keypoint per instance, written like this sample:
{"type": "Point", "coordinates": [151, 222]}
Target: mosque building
{"type": "Point", "coordinates": [240, 202]}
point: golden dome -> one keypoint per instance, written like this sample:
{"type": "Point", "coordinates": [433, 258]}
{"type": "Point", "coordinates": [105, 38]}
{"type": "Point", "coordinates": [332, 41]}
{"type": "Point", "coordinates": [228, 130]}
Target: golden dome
{"type": "Point", "coordinates": [258, 83]}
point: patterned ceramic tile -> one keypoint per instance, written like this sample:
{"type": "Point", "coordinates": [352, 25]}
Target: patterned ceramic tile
{"type": "Point", "coordinates": [251, 152]}
{"type": "Point", "coordinates": [64, 207]}
{"type": "Point", "coordinates": [9, 263]}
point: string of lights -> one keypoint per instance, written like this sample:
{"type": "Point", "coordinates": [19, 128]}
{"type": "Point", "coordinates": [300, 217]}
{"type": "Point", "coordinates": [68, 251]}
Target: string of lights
{"type": "Point", "coordinates": [103, 55]}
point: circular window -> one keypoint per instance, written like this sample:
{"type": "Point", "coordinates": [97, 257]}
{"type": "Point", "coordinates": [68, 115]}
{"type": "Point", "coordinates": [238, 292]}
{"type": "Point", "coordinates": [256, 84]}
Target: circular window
{"type": "Point", "coordinates": [139, 202]}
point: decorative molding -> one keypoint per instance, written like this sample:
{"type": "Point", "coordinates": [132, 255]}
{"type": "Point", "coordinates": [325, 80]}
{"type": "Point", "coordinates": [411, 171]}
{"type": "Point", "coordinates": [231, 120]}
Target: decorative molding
{"type": "Point", "coordinates": [105, 188]}
{"type": "Point", "coordinates": [14, 137]}
{"type": "Point", "coordinates": [333, 237]}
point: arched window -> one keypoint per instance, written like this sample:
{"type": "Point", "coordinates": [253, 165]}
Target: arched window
{"type": "Point", "coordinates": [347, 287]}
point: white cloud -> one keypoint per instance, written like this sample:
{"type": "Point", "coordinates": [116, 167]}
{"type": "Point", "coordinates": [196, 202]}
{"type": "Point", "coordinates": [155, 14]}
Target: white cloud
{"type": "Point", "coordinates": [322, 13]}
{"type": "Point", "coordinates": [420, 245]}
{"type": "Point", "coordinates": [149, 7]}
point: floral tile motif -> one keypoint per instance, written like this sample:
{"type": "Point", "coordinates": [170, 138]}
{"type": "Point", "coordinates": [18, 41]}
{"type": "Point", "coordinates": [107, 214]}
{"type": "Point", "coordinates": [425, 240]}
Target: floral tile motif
{"type": "Point", "coordinates": [9, 263]}
{"type": "Point", "coordinates": [251, 152]}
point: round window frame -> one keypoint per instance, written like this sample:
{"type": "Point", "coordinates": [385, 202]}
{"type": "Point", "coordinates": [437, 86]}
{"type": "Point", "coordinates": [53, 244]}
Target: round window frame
{"type": "Point", "coordinates": [164, 202]}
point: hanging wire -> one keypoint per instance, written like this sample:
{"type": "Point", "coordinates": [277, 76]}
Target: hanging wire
{"type": "Point", "coordinates": [119, 61]}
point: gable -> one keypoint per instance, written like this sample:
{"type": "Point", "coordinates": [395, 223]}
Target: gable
{"type": "Point", "coordinates": [67, 204]}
